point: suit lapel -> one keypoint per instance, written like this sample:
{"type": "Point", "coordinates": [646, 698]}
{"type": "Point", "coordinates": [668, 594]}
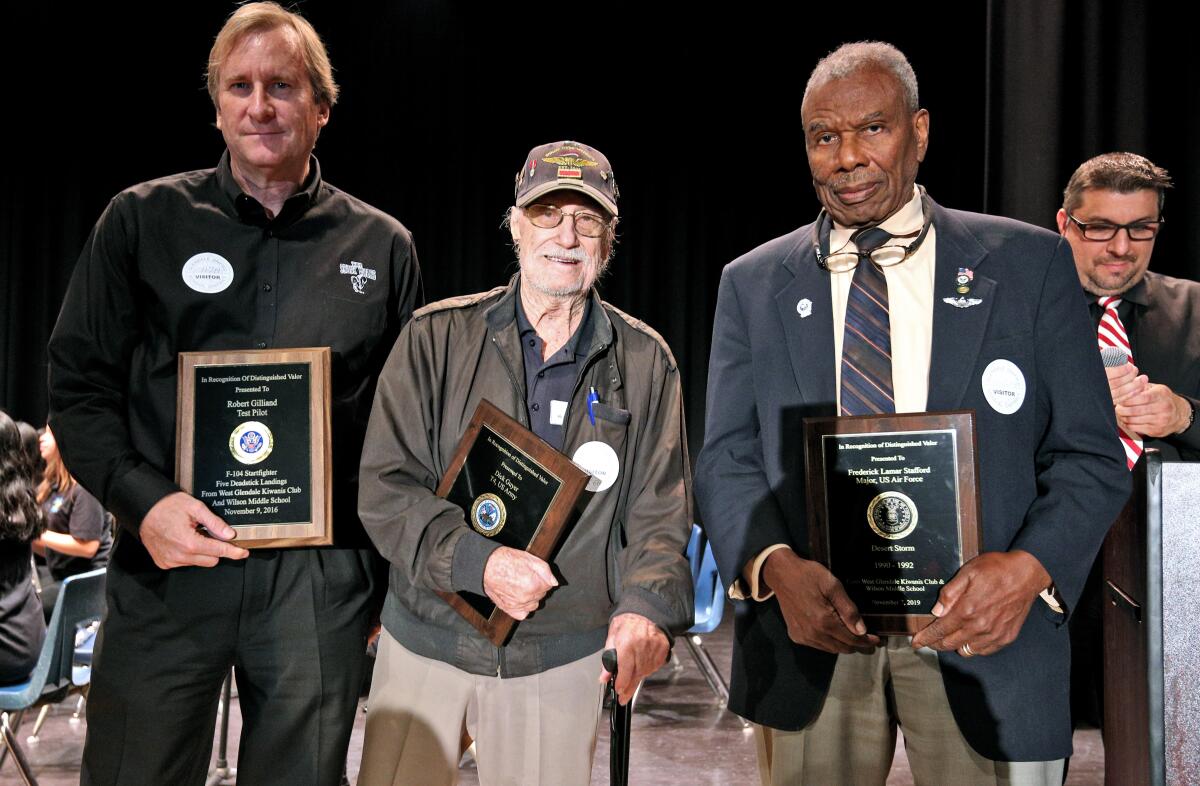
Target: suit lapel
{"type": "Point", "coordinates": [957, 332]}
{"type": "Point", "coordinates": [809, 338]}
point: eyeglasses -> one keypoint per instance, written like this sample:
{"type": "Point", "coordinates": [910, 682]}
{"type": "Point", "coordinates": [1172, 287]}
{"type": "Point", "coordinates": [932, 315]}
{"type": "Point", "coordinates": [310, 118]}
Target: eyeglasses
{"type": "Point", "coordinates": [843, 261]}
{"type": "Point", "coordinates": [887, 255]}
{"type": "Point", "coordinates": [549, 216]}
{"type": "Point", "coordinates": [1101, 231]}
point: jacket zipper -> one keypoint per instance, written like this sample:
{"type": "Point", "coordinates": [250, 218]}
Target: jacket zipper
{"type": "Point", "coordinates": [587, 364]}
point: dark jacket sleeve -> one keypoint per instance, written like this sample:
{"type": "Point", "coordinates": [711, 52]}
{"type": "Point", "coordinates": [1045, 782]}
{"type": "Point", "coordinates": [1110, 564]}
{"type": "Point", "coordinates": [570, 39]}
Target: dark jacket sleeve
{"type": "Point", "coordinates": [740, 513]}
{"type": "Point", "coordinates": [414, 529]}
{"type": "Point", "coordinates": [656, 580]}
{"type": "Point", "coordinates": [90, 355]}
{"type": "Point", "coordinates": [1080, 466]}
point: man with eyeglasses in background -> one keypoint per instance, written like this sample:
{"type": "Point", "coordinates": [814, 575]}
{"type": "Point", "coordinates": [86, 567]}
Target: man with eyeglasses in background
{"type": "Point", "coordinates": [890, 303]}
{"type": "Point", "coordinates": [1111, 215]}
{"type": "Point", "coordinates": [597, 385]}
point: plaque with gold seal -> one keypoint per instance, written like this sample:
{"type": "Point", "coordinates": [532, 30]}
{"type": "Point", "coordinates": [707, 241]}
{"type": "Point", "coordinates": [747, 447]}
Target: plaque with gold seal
{"type": "Point", "coordinates": [515, 489]}
{"type": "Point", "coordinates": [252, 442]}
{"type": "Point", "coordinates": [894, 509]}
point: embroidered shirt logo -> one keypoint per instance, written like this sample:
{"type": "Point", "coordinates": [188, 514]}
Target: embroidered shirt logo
{"type": "Point", "coordinates": [359, 275]}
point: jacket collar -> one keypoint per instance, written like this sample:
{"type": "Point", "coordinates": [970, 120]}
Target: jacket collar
{"type": "Point", "coordinates": [957, 332]}
{"type": "Point", "coordinates": [502, 315]}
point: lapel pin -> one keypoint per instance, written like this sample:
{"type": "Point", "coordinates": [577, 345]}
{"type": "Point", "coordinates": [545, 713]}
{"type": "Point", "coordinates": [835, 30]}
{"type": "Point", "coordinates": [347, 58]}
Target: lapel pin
{"type": "Point", "coordinates": [962, 302]}
{"type": "Point", "coordinates": [963, 279]}
{"type": "Point", "coordinates": [804, 308]}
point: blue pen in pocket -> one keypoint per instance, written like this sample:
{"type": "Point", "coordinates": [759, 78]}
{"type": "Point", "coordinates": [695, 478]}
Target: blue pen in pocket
{"type": "Point", "coordinates": [592, 399]}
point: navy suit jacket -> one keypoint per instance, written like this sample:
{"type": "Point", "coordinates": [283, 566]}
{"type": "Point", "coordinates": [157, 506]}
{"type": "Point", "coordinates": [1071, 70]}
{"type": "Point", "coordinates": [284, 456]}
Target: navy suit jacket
{"type": "Point", "coordinates": [1044, 470]}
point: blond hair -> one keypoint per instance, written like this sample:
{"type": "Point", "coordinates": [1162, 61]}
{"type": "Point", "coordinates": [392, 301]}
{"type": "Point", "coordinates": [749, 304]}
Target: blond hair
{"type": "Point", "coordinates": [264, 17]}
{"type": "Point", "coordinates": [55, 477]}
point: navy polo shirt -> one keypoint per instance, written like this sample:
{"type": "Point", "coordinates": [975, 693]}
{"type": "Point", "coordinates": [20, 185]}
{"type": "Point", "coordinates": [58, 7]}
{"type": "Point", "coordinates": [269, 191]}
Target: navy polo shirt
{"type": "Point", "coordinates": [552, 380]}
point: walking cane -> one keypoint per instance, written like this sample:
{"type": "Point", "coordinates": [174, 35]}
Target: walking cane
{"type": "Point", "coordinates": [619, 720]}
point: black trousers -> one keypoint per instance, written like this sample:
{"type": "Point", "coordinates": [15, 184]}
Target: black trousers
{"type": "Point", "coordinates": [292, 623]}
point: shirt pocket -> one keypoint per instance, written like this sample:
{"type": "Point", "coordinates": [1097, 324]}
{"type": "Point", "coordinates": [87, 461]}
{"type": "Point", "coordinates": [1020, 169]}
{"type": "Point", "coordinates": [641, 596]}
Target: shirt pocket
{"type": "Point", "coordinates": [352, 328]}
{"type": "Point", "coordinates": [619, 416]}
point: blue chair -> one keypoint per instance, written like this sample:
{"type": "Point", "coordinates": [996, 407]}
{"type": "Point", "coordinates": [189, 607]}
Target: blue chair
{"type": "Point", "coordinates": [57, 674]}
{"type": "Point", "coordinates": [710, 604]}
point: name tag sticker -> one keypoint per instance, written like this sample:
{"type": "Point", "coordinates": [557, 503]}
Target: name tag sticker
{"type": "Point", "coordinates": [1004, 386]}
{"type": "Point", "coordinates": [208, 273]}
{"type": "Point", "coordinates": [558, 411]}
{"type": "Point", "coordinates": [601, 462]}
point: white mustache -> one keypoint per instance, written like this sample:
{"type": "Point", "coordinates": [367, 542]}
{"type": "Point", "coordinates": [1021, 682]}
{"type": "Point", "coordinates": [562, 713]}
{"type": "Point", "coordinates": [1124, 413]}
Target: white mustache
{"type": "Point", "coordinates": [576, 254]}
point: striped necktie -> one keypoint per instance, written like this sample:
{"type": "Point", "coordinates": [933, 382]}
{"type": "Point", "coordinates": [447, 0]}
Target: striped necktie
{"type": "Point", "coordinates": [1111, 333]}
{"type": "Point", "coordinates": [867, 341]}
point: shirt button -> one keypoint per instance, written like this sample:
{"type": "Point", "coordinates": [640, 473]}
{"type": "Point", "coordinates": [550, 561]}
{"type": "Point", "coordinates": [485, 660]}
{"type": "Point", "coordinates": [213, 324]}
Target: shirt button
{"type": "Point", "coordinates": [541, 374]}
{"type": "Point", "coordinates": [266, 287]}
{"type": "Point", "coordinates": [261, 344]}
{"type": "Point", "coordinates": [534, 406]}
{"type": "Point", "coordinates": [532, 343]}
{"type": "Point", "coordinates": [270, 233]}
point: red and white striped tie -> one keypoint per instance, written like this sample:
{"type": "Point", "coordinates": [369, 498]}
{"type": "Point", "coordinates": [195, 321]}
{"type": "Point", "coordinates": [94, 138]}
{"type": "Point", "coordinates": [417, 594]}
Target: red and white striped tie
{"type": "Point", "coordinates": [1111, 333]}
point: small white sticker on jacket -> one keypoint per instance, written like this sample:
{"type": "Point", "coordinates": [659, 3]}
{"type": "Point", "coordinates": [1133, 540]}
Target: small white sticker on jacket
{"type": "Point", "coordinates": [208, 273]}
{"type": "Point", "coordinates": [1004, 386]}
{"type": "Point", "coordinates": [558, 411]}
{"type": "Point", "coordinates": [601, 462]}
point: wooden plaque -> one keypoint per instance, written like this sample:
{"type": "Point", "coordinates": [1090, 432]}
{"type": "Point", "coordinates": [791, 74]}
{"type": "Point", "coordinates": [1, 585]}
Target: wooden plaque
{"type": "Point", "coordinates": [515, 488]}
{"type": "Point", "coordinates": [893, 509]}
{"type": "Point", "coordinates": [252, 441]}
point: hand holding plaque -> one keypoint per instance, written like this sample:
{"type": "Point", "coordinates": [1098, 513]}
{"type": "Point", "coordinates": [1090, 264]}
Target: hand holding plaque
{"type": "Point", "coordinates": [516, 581]}
{"type": "Point", "coordinates": [516, 489]}
{"type": "Point", "coordinates": [893, 509]}
{"type": "Point", "coordinates": [253, 442]}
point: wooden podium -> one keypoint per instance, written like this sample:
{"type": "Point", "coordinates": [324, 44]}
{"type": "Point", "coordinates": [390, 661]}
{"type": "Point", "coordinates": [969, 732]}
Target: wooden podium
{"type": "Point", "coordinates": [1152, 629]}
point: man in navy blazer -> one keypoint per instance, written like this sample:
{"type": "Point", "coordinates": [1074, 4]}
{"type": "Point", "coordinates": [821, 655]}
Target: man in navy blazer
{"type": "Point", "coordinates": [985, 314]}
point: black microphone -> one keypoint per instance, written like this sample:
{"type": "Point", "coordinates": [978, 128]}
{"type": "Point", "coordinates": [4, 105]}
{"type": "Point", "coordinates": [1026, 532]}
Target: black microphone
{"type": "Point", "coordinates": [1113, 357]}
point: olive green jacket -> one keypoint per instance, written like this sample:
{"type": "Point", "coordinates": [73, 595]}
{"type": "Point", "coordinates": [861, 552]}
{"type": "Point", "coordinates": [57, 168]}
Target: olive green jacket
{"type": "Point", "coordinates": [625, 553]}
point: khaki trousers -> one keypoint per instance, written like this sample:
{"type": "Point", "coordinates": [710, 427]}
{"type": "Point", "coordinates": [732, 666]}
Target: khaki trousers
{"type": "Point", "coordinates": [853, 740]}
{"type": "Point", "coordinates": [539, 729]}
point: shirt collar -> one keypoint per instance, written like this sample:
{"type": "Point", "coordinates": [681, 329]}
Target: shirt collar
{"type": "Point", "coordinates": [248, 208]}
{"type": "Point", "coordinates": [578, 342]}
{"type": "Point", "coordinates": [909, 218]}
{"type": "Point", "coordinates": [1136, 295]}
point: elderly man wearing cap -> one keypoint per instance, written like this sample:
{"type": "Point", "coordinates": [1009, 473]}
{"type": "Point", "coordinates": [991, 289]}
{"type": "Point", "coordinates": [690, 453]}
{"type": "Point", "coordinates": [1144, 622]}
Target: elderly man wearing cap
{"type": "Point", "coordinates": [594, 383]}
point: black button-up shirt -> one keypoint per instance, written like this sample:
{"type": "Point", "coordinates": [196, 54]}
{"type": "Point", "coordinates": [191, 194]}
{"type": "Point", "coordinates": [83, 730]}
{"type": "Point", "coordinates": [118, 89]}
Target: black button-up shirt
{"type": "Point", "coordinates": [329, 270]}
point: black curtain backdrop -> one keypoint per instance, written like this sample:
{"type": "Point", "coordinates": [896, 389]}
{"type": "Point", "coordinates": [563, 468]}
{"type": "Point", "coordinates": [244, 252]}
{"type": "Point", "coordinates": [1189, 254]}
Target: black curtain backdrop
{"type": "Point", "coordinates": [699, 113]}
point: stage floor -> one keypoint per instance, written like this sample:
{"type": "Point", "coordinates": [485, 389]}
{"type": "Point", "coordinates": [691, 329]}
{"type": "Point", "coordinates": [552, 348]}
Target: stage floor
{"type": "Point", "coordinates": [680, 736]}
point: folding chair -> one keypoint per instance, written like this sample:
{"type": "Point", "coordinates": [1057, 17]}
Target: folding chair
{"type": "Point", "coordinates": [710, 604]}
{"type": "Point", "coordinates": [56, 675]}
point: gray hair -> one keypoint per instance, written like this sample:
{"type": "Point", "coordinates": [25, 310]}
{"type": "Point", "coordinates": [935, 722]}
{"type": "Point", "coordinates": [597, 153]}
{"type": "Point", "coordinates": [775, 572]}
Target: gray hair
{"type": "Point", "coordinates": [848, 59]}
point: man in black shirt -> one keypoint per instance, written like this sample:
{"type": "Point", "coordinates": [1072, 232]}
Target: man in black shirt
{"type": "Point", "coordinates": [259, 253]}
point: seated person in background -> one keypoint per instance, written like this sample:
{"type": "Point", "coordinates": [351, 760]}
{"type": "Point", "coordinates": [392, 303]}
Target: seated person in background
{"type": "Point", "coordinates": [21, 627]}
{"type": "Point", "coordinates": [77, 537]}
{"type": "Point", "coordinates": [30, 444]}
